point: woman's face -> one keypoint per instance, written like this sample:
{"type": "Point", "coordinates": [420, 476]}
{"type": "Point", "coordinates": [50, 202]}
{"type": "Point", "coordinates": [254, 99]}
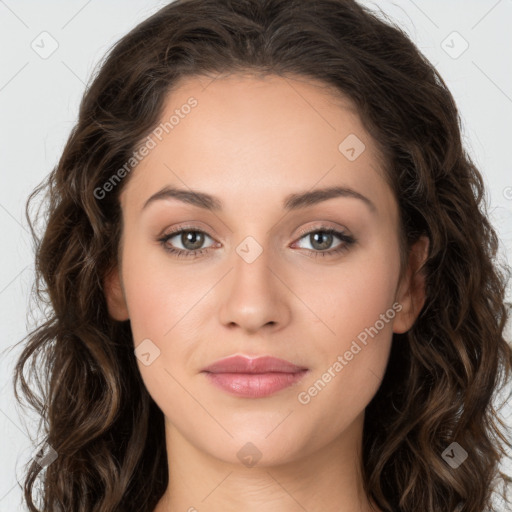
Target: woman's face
{"type": "Point", "coordinates": [282, 162]}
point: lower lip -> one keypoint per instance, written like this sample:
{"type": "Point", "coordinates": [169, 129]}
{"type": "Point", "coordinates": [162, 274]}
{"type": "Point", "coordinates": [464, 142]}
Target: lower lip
{"type": "Point", "coordinates": [254, 385]}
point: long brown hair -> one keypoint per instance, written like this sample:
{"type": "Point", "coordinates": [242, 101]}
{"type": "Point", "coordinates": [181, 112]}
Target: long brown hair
{"type": "Point", "coordinates": [443, 374]}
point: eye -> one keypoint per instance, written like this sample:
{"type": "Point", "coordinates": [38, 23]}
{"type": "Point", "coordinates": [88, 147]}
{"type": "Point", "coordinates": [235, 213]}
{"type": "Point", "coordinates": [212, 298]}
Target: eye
{"type": "Point", "coordinates": [321, 239]}
{"type": "Point", "coordinates": [192, 240]}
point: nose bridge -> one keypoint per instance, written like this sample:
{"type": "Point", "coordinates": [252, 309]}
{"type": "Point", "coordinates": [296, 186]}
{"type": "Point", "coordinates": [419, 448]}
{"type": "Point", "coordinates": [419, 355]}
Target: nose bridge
{"type": "Point", "coordinates": [252, 265]}
{"type": "Point", "coordinates": [254, 296]}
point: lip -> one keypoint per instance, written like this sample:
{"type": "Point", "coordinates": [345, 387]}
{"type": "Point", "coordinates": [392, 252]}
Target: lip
{"type": "Point", "coordinates": [253, 378]}
{"type": "Point", "coordinates": [243, 364]}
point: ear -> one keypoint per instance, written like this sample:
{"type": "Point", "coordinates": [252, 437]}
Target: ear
{"type": "Point", "coordinates": [114, 295]}
{"type": "Point", "coordinates": [411, 290]}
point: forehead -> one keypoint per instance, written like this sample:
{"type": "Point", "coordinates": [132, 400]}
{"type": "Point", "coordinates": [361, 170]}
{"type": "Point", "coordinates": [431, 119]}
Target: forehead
{"type": "Point", "coordinates": [268, 136]}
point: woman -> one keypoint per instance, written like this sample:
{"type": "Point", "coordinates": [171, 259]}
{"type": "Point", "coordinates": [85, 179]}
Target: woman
{"type": "Point", "coordinates": [271, 274]}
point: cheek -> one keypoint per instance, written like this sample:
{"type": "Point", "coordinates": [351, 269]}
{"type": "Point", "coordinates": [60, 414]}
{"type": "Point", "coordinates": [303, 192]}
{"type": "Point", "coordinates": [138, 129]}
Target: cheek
{"type": "Point", "coordinates": [157, 294]}
{"type": "Point", "coordinates": [352, 295]}
{"type": "Point", "coordinates": [160, 303]}
{"type": "Point", "coordinates": [357, 308]}
{"type": "Point", "coordinates": [165, 307]}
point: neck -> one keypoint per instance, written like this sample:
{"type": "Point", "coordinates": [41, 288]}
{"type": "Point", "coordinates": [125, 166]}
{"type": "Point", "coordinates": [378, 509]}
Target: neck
{"type": "Point", "coordinates": [328, 479]}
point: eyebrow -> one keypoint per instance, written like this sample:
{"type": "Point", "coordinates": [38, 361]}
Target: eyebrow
{"type": "Point", "coordinates": [291, 202]}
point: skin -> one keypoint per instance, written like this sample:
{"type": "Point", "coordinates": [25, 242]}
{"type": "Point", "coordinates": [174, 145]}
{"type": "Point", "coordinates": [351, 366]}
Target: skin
{"type": "Point", "coordinates": [251, 142]}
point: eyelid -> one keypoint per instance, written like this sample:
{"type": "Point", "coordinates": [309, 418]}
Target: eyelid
{"type": "Point", "coordinates": [322, 226]}
{"type": "Point", "coordinates": [185, 227]}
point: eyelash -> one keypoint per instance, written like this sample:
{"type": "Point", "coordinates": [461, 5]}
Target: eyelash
{"type": "Point", "coordinates": [346, 240]}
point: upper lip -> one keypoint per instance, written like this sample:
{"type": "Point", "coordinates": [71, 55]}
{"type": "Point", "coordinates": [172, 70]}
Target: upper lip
{"type": "Point", "coordinates": [243, 364]}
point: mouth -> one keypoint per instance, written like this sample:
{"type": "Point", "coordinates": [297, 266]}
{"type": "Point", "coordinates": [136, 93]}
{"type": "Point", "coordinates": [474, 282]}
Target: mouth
{"type": "Point", "coordinates": [253, 378]}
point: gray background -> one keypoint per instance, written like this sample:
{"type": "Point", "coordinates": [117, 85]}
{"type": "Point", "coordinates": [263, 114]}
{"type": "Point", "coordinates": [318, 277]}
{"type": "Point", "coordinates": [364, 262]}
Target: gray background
{"type": "Point", "coordinates": [40, 93]}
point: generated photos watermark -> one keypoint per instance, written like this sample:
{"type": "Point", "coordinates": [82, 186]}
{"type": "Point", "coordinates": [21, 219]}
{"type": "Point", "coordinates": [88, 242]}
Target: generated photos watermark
{"type": "Point", "coordinates": [304, 397]}
{"type": "Point", "coordinates": [144, 149]}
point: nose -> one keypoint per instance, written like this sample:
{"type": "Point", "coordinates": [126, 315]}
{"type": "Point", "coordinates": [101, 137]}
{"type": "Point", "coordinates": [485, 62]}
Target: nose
{"type": "Point", "coordinates": [254, 295]}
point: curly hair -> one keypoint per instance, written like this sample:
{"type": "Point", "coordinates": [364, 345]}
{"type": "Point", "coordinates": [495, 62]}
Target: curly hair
{"type": "Point", "coordinates": [442, 375]}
